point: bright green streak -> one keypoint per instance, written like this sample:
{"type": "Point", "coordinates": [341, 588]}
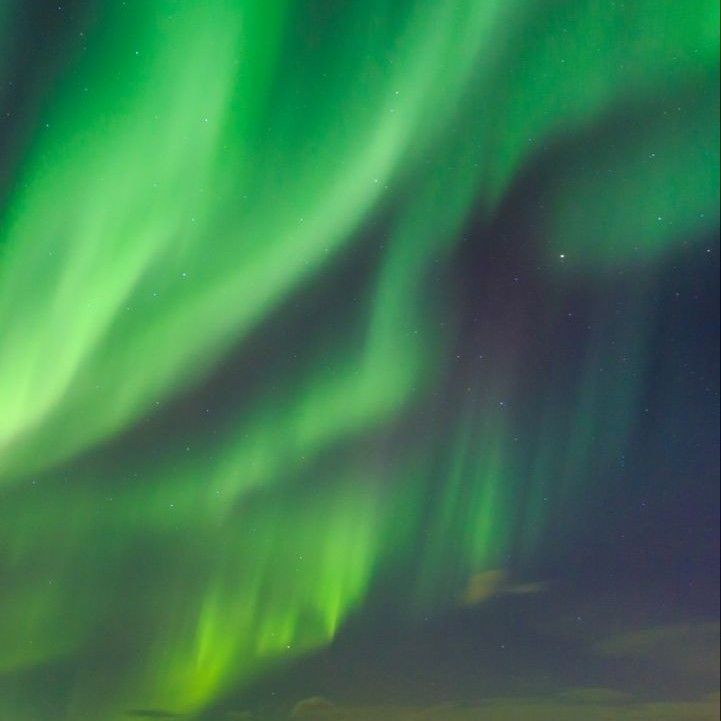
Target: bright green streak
{"type": "Point", "coordinates": [201, 163]}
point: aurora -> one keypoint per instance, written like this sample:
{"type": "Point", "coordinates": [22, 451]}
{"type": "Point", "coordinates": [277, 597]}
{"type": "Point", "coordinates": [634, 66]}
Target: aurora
{"type": "Point", "coordinates": [263, 360]}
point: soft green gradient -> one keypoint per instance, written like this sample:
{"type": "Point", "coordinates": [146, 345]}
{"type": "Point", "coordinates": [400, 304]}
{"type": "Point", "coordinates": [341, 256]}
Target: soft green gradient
{"type": "Point", "coordinates": [200, 167]}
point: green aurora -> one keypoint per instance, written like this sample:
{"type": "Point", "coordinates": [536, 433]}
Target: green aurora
{"type": "Point", "coordinates": [186, 176]}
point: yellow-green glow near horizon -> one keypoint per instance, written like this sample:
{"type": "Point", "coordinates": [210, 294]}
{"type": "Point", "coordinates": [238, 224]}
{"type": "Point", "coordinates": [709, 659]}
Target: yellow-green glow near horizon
{"type": "Point", "coordinates": [188, 173]}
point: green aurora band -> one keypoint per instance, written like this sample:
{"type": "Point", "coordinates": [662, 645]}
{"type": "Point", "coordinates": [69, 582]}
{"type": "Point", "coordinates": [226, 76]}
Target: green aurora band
{"type": "Point", "coordinates": [186, 175]}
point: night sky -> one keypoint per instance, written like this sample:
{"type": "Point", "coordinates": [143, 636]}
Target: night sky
{"type": "Point", "coordinates": [359, 361]}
